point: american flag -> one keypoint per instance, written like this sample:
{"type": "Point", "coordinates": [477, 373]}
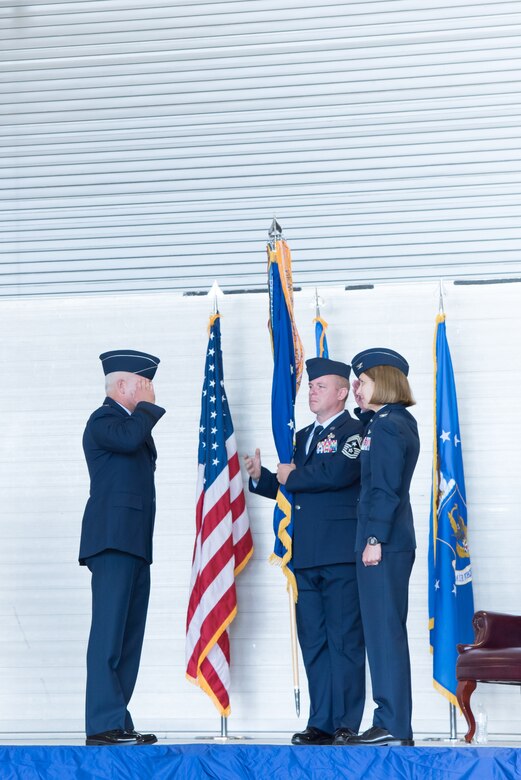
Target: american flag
{"type": "Point", "coordinates": [223, 542]}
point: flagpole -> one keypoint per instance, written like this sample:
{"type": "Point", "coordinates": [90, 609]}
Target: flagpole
{"type": "Point", "coordinates": [453, 727]}
{"type": "Point", "coordinates": [224, 727]}
{"type": "Point", "coordinates": [448, 483]}
{"type": "Point", "coordinates": [274, 235]}
{"type": "Point", "coordinates": [214, 293]}
{"type": "Point", "coordinates": [453, 724]}
{"type": "Point", "coordinates": [320, 328]}
{"type": "Point", "coordinates": [294, 652]}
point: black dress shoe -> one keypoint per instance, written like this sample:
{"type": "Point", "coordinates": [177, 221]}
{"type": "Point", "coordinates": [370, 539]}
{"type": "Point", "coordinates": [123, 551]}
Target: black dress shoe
{"type": "Point", "coordinates": [343, 735]}
{"type": "Point", "coordinates": [311, 736]}
{"type": "Point", "coordinates": [143, 739]}
{"type": "Point", "coordinates": [120, 737]}
{"type": "Point", "coordinates": [377, 736]}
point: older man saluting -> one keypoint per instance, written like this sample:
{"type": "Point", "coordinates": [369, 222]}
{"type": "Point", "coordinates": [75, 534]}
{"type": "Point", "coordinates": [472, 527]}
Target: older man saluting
{"type": "Point", "coordinates": [116, 541]}
{"type": "Point", "coordinates": [324, 478]}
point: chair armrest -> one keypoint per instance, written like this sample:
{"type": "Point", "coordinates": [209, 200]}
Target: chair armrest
{"type": "Point", "coordinates": [495, 629]}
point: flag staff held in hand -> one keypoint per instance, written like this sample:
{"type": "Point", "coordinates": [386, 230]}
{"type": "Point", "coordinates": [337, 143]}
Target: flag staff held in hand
{"type": "Point", "coordinates": [288, 357]}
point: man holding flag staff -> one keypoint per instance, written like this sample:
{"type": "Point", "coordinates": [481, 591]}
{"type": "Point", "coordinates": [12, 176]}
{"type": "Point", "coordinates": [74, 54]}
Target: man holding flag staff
{"type": "Point", "coordinates": [324, 481]}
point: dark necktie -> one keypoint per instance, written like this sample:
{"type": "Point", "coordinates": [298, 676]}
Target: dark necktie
{"type": "Point", "coordinates": [316, 435]}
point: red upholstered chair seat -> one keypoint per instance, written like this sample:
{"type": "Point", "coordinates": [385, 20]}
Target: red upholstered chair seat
{"type": "Point", "coordinates": [502, 665]}
{"type": "Point", "coordinates": [495, 657]}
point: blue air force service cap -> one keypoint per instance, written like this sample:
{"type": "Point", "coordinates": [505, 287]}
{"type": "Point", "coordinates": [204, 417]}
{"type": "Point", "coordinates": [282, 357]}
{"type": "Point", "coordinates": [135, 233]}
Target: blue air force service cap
{"type": "Point", "coordinates": [317, 367]}
{"type": "Point", "coordinates": [379, 356]}
{"type": "Point", "coordinates": [129, 360]}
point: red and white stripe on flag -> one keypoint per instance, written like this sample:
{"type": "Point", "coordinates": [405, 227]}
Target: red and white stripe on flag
{"type": "Point", "coordinates": [223, 546]}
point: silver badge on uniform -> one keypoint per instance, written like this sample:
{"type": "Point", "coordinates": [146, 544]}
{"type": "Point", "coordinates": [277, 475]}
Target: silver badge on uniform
{"type": "Point", "coordinates": [351, 448]}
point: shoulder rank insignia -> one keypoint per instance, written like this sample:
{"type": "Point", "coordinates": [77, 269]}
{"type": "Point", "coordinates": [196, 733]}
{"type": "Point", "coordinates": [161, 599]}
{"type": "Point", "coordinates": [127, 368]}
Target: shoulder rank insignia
{"type": "Point", "coordinates": [351, 448]}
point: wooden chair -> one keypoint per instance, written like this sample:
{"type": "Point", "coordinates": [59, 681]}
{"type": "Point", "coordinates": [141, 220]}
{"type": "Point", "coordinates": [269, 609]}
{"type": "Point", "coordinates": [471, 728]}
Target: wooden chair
{"type": "Point", "coordinates": [495, 657]}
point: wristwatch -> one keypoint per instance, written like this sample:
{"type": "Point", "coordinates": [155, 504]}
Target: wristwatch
{"type": "Point", "coordinates": [372, 540]}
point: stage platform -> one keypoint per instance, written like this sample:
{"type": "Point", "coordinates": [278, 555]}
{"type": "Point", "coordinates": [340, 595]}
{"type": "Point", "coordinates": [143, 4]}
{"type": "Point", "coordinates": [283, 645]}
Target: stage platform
{"type": "Point", "coordinates": [255, 758]}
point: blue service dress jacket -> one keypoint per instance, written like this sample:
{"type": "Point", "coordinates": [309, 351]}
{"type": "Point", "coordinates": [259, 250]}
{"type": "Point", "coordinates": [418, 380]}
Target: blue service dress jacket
{"type": "Point", "coordinates": [325, 486]}
{"type": "Point", "coordinates": [389, 453]}
{"type": "Point", "coordinates": [121, 459]}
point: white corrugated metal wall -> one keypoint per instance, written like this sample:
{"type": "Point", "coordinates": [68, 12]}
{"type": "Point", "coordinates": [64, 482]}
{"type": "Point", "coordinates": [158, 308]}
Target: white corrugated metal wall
{"type": "Point", "coordinates": [146, 145]}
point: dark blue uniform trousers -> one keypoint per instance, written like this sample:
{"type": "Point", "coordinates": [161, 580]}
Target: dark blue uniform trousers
{"type": "Point", "coordinates": [384, 599]}
{"type": "Point", "coordinates": [332, 644]}
{"type": "Point", "coordinates": [120, 592]}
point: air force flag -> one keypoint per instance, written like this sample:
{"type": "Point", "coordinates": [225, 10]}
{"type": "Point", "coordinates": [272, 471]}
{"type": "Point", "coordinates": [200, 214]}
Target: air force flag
{"type": "Point", "coordinates": [451, 603]}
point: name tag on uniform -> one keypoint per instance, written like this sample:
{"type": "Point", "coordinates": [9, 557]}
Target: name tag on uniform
{"type": "Point", "coordinates": [328, 445]}
{"type": "Point", "coordinates": [366, 444]}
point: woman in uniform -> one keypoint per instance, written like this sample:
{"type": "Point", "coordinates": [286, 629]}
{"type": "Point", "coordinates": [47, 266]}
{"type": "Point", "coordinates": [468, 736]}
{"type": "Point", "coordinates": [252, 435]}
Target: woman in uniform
{"type": "Point", "coordinates": [385, 541]}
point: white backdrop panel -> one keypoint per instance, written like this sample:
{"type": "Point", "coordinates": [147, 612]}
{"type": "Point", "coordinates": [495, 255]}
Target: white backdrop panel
{"type": "Point", "coordinates": [53, 380]}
